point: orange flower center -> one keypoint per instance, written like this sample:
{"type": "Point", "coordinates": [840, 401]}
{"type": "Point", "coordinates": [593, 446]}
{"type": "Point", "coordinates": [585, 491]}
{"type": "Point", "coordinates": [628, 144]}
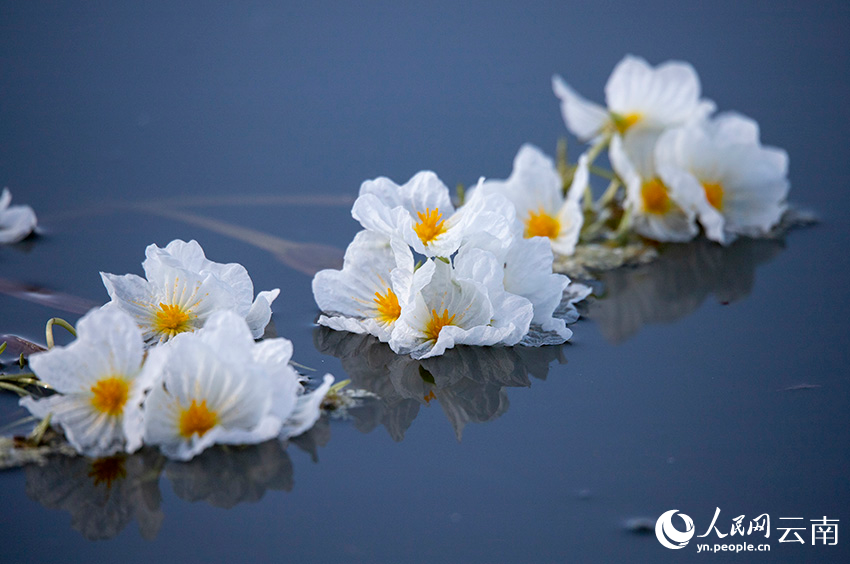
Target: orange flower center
{"type": "Point", "coordinates": [388, 308]}
{"type": "Point", "coordinates": [436, 324]}
{"type": "Point", "coordinates": [197, 419]}
{"type": "Point", "coordinates": [430, 225]}
{"type": "Point", "coordinates": [714, 194]}
{"type": "Point", "coordinates": [655, 198]}
{"type": "Point", "coordinates": [109, 395]}
{"type": "Point", "coordinates": [172, 319]}
{"type": "Point", "coordinates": [541, 224]}
{"type": "Point", "coordinates": [623, 123]}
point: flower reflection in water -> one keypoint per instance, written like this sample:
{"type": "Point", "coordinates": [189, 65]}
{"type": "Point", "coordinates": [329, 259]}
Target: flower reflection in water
{"type": "Point", "coordinates": [102, 495]}
{"type": "Point", "coordinates": [467, 382]}
{"type": "Point", "coordinates": [677, 283]}
{"type": "Point", "coordinates": [225, 476]}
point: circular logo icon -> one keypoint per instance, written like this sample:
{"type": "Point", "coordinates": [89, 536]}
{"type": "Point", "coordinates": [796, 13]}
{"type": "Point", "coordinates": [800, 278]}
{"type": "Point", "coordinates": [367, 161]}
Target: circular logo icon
{"type": "Point", "coordinates": [668, 535]}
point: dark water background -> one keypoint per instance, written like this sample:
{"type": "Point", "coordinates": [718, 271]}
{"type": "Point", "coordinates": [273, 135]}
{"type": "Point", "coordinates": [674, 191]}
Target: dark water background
{"type": "Point", "coordinates": [675, 396]}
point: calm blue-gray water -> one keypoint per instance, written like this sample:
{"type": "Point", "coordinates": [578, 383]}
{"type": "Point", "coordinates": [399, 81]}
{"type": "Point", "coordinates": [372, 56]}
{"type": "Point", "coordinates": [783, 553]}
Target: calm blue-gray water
{"type": "Point", "coordinates": [714, 378]}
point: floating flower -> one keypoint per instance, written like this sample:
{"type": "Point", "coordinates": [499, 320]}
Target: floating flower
{"type": "Point", "coordinates": [536, 191]}
{"type": "Point", "coordinates": [219, 386]}
{"type": "Point", "coordinates": [528, 273]}
{"type": "Point", "coordinates": [99, 382]}
{"type": "Point", "coordinates": [182, 289]}
{"type": "Point", "coordinates": [741, 185]}
{"type": "Point", "coordinates": [638, 96]}
{"type": "Point", "coordinates": [464, 306]}
{"type": "Point", "coordinates": [367, 295]}
{"type": "Point", "coordinates": [421, 213]}
{"type": "Point", "coordinates": [16, 222]}
{"type": "Point", "coordinates": [659, 211]}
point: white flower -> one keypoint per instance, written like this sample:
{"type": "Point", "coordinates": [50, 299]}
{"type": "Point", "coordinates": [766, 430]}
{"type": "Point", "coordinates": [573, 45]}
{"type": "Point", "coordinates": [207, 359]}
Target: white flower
{"type": "Point", "coordinates": [368, 294]}
{"type": "Point", "coordinates": [741, 185]}
{"type": "Point", "coordinates": [181, 289]}
{"type": "Point", "coordinates": [16, 222]}
{"type": "Point", "coordinates": [422, 215]}
{"type": "Point", "coordinates": [638, 96]}
{"type": "Point", "coordinates": [219, 386]}
{"type": "Point", "coordinates": [467, 305]}
{"type": "Point", "coordinates": [99, 384]}
{"type": "Point", "coordinates": [527, 272]}
{"type": "Point", "coordinates": [535, 189]}
{"type": "Point", "coordinates": [659, 212]}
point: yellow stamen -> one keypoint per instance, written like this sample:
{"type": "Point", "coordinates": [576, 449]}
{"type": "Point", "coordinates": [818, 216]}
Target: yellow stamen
{"type": "Point", "coordinates": [388, 308]}
{"type": "Point", "coordinates": [172, 319]}
{"type": "Point", "coordinates": [108, 470]}
{"type": "Point", "coordinates": [541, 224]}
{"type": "Point", "coordinates": [655, 198]}
{"type": "Point", "coordinates": [109, 395]}
{"type": "Point", "coordinates": [623, 123]}
{"type": "Point", "coordinates": [430, 397]}
{"type": "Point", "coordinates": [430, 225]}
{"type": "Point", "coordinates": [197, 419]}
{"type": "Point", "coordinates": [714, 194]}
{"type": "Point", "coordinates": [436, 324]}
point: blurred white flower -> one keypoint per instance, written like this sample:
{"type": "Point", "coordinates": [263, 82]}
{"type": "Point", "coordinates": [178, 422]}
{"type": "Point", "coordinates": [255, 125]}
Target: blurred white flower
{"type": "Point", "coordinates": [181, 289]}
{"type": "Point", "coordinates": [741, 185]}
{"type": "Point", "coordinates": [535, 189]}
{"type": "Point", "coordinates": [421, 213]}
{"type": "Point", "coordinates": [219, 386]}
{"type": "Point", "coordinates": [463, 306]}
{"type": "Point", "coordinates": [368, 294]}
{"type": "Point", "coordinates": [99, 384]}
{"type": "Point", "coordinates": [638, 96]}
{"type": "Point", "coordinates": [16, 222]}
{"type": "Point", "coordinates": [658, 211]}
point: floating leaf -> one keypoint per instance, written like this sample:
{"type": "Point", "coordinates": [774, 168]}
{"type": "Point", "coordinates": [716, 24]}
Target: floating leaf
{"type": "Point", "coordinates": [308, 258]}
{"type": "Point", "coordinates": [45, 297]}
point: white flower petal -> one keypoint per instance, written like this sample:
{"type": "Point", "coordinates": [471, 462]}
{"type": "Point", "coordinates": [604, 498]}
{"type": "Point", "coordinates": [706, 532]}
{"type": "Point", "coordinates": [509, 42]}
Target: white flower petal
{"type": "Point", "coordinates": [108, 350]}
{"type": "Point", "coordinates": [584, 119]}
{"type": "Point", "coordinates": [306, 411]}
{"type": "Point", "coordinates": [16, 223]}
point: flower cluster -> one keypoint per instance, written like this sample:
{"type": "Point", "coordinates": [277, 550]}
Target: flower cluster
{"type": "Point", "coordinates": [172, 361]}
{"type": "Point", "coordinates": [486, 276]}
{"type": "Point", "coordinates": [16, 222]}
{"type": "Point", "coordinates": [681, 167]}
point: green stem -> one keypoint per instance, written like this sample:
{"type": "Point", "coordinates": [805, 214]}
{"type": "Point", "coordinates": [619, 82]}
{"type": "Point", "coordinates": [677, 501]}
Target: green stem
{"type": "Point", "coordinates": [563, 165]}
{"type": "Point", "coordinates": [625, 224]}
{"type": "Point", "coordinates": [461, 194]}
{"type": "Point", "coordinates": [607, 174]}
{"type": "Point", "coordinates": [37, 434]}
{"type": "Point", "coordinates": [61, 323]}
{"type": "Point", "coordinates": [592, 153]}
{"type": "Point", "coordinates": [610, 193]}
